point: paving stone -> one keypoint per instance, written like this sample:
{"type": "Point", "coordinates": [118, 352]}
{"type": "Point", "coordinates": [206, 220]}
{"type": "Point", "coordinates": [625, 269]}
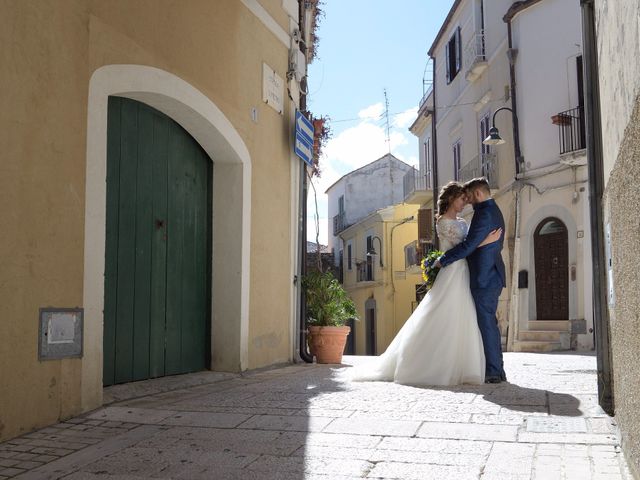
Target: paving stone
{"type": "Point", "coordinates": [499, 433]}
{"type": "Point", "coordinates": [205, 419]}
{"type": "Point", "coordinates": [460, 447]}
{"type": "Point", "coordinates": [276, 422]}
{"type": "Point", "coordinates": [135, 415]}
{"type": "Point", "coordinates": [297, 465]}
{"type": "Point", "coordinates": [579, 438]}
{"type": "Point", "coordinates": [421, 472]}
{"type": "Point", "coordinates": [557, 424]}
{"type": "Point", "coordinates": [365, 426]}
{"type": "Point", "coordinates": [10, 472]}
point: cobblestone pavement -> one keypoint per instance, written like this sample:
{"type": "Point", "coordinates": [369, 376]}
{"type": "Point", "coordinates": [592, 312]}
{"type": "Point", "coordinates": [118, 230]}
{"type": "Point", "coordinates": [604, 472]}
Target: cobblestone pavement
{"type": "Point", "coordinates": [304, 422]}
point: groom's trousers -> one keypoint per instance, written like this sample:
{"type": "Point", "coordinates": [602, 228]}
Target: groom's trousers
{"type": "Point", "coordinates": [486, 300]}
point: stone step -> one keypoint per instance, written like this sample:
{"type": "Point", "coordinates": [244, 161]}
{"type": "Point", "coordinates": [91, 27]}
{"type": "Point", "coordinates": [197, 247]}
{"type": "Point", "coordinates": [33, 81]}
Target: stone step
{"type": "Point", "coordinates": [540, 336]}
{"type": "Point", "coordinates": [546, 325]}
{"type": "Point", "coordinates": [536, 347]}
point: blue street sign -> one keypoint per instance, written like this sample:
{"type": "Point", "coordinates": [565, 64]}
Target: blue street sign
{"type": "Point", "coordinates": [304, 138]}
{"type": "Point", "coordinates": [304, 150]}
{"type": "Point", "coordinates": [304, 127]}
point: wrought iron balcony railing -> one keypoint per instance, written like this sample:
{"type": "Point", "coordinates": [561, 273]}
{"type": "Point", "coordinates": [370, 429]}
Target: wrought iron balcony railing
{"type": "Point", "coordinates": [474, 52]}
{"type": "Point", "coordinates": [414, 180]}
{"type": "Point", "coordinates": [483, 165]}
{"type": "Point", "coordinates": [571, 130]}
{"type": "Point", "coordinates": [339, 223]}
{"type": "Point", "coordinates": [365, 271]}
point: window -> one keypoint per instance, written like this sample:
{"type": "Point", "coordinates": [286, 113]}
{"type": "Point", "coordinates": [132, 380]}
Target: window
{"type": "Point", "coordinates": [349, 256]}
{"type": "Point", "coordinates": [427, 163]}
{"type": "Point", "coordinates": [484, 133]}
{"type": "Point", "coordinates": [457, 159]}
{"type": "Point", "coordinates": [341, 204]}
{"type": "Point", "coordinates": [411, 254]}
{"type": "Point", "coordinates": [454, 55]}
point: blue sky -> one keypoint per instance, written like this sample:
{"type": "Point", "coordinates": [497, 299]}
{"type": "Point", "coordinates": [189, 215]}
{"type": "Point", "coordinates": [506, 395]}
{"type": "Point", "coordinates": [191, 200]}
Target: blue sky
{"type": "Point", "coordinates": [366, 46]}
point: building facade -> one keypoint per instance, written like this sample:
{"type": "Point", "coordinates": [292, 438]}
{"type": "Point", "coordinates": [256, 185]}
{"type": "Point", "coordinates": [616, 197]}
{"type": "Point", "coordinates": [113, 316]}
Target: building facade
{"type": "Point", "coordinates": [538, 178]}
{"type": "Point", "coordinates": [143, 141]}
{"type": "Point", "coordinates": [381, 274]}
{"type": "Point", "coordinates": [360, 193]}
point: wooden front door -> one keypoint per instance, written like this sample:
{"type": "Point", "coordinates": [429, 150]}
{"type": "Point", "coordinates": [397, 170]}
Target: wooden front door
{"type": "Point", "coordinates": [158, 237]}
{"type": "Point", "coordinates": [370, 326]}
{"type": "Point", "coordinates": [551, 250]}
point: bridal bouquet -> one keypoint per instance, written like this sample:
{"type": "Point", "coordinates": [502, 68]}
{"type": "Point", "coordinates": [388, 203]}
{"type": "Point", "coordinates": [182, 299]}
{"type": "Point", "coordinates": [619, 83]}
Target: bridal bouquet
{"type": "Point", "coordinates": [429, 271]}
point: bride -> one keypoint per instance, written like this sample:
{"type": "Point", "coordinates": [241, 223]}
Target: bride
{"type": "Point", "coordinates": [440, 343]}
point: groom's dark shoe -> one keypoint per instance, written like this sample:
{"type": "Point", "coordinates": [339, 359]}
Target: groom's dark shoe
{"type": "Point", "coordinates": [493, 379]}
{"type": "Point", "coordinates": [503, 377]}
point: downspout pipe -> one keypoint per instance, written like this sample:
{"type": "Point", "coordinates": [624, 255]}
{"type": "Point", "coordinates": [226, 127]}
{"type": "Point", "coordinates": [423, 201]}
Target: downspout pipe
{"type": "Point", "coordinates": [434, 156]}
{"type": "Point", "coordinates": [513, 326]}
{"type": "Point", "coordinates": [512, 54]}
{"type": "Point", "coordinates": [302, 220]}
{"type": "Point", "coordinates": [596, 190]}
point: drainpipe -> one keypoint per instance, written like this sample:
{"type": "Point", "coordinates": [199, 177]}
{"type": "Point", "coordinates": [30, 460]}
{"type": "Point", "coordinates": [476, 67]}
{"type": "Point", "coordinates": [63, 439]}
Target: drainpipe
{"type": "Point", "coordinates": [302, 219]}
{"type": "Point", "coordinates": [514, 307]}
{"type": "Point", "coordinates": [434, 156]}
{"type": "Point", "coordinates": [596, 189]}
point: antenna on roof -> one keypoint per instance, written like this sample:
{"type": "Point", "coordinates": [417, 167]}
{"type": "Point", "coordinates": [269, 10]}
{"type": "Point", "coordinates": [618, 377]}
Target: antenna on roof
{"type": "Point", "coordinates": [386, 114]}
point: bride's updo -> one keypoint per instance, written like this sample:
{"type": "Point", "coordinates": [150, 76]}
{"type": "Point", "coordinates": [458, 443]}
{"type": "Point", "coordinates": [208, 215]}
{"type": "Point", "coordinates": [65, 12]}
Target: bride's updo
{"type": "Point", "coordinates": [448, 194]}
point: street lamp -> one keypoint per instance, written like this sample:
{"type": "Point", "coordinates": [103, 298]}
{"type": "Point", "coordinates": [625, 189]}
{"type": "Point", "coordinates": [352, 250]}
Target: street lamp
{"type": "Point", "coordinates": [372, 250]}
{"type": "Point", "coordinates": [494, 137]}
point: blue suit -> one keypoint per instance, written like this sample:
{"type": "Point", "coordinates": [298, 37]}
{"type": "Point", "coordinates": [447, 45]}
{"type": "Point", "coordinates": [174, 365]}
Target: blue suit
{"type": "Point", "coordinates": [486, 269]}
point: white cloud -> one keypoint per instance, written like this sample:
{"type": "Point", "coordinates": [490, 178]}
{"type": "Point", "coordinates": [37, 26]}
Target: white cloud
{"type": "Point", "coordinates": [355, 147]}
{"type": "Point", "coordinates": [406, 118]}
{"type": "Point", "coordinates": [372, 112]}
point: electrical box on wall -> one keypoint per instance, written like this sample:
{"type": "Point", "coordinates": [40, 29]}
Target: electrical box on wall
{"type": "Point", "coordinates": [523, 279]}
{"type": "Point", "coordinates": [60, 333]}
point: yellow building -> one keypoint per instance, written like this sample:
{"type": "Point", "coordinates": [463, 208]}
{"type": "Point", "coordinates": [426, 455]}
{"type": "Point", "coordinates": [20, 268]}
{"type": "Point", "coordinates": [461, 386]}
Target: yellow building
{"type": "Point", "coordinates": [381, 274]}
{"type": "Point", "coordinates": [149, 195]}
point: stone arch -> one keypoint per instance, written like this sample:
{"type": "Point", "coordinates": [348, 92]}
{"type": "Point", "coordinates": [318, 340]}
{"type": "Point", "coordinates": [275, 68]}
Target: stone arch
{"type": "Point", "coordinates": [231, 211]}
{"type": "Point", "coordinates": [527, 260]}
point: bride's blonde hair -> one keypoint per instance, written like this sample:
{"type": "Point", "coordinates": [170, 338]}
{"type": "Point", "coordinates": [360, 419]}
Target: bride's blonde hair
{"type": "Point", "coordinates": [448, 194]}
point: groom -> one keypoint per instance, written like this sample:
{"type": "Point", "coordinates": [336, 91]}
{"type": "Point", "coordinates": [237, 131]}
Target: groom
{"type": "Point", "coordinates": [486, 269]}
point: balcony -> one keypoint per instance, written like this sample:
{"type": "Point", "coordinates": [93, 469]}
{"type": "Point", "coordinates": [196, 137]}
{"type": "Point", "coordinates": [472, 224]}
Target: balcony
{"type": "Point", "coordinates": [417, 187]}
{"type": "Point", "coordinates": [475, 59]}
{"type": "Point", "coordinates": [339, 223]}
{"type": "Point", "coordinates": [365, 271]}
{"type": "Point", "coordinates": [483, 165]}
{"type": "Point", "coordinates": [572, 135]}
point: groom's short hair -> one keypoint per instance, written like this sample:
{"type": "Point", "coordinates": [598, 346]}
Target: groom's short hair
{"type": "Point", "coordinates": [476, 183]}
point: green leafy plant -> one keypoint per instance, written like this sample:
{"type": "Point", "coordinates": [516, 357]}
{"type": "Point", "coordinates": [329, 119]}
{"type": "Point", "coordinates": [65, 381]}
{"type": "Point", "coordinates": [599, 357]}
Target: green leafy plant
{"type": "Point", "coordinates": [429, 270]}
{"type": "Point", "coordinates": [327, 301]}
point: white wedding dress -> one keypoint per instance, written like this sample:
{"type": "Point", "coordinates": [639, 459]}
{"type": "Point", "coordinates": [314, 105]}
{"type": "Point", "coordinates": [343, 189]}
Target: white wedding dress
{"type": "Point", "coordinates": [440, 343]}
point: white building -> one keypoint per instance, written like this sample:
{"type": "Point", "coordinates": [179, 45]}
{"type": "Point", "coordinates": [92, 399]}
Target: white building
{"type": "Point", "coordinates": [488, 55]}
{"type": "Point", "coordinates": [360, 193]}
{"type": "Point", "coordinates": [553, 237]}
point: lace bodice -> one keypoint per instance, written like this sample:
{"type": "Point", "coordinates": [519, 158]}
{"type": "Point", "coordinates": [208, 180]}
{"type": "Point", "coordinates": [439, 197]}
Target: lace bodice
{"type": "Point", "coordinates": [451, 232]}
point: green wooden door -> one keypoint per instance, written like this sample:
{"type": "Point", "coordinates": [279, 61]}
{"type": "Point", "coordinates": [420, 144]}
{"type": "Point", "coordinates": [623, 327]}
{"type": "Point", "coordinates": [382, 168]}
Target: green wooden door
{"type": "Point", "coordinates": [158, 238]}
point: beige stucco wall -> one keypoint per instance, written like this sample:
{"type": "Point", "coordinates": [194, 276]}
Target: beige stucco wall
{"type": "Point", "coordinates": [50, 50]}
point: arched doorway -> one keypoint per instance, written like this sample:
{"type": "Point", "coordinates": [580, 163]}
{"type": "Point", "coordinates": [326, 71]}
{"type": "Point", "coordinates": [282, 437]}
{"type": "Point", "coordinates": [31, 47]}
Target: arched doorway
{"type": "Point", "coordinates": [551, 251]}
{"type": "Point", "coordinates": [230, 212]}
{"type": "Point", "coordinates": [370, 326]}
{"type": "Point", "coordinates": [157, 278]}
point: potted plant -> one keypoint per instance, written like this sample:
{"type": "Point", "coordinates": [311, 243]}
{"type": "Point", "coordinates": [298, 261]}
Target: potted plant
{"type": "Point", "coordinates": [328, 309]}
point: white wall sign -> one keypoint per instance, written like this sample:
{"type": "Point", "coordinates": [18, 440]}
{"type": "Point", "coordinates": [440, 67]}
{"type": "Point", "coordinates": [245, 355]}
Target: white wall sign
{"type": "Point", "coordinates": [272, 88]}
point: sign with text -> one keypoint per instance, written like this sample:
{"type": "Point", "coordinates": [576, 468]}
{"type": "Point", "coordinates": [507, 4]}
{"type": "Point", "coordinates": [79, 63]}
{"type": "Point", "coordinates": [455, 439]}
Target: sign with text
{"type": "Point", "coordinates": [272, 88]}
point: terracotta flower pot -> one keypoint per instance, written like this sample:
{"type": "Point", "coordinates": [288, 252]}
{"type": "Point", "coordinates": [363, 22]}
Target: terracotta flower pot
{"type": "Point", "coordinates": [327, 343]}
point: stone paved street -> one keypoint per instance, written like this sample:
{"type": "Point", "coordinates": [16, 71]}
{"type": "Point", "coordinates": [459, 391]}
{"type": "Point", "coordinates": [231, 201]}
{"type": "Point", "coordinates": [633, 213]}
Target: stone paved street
{"type": "Point", "coordinates": [304, 422]}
